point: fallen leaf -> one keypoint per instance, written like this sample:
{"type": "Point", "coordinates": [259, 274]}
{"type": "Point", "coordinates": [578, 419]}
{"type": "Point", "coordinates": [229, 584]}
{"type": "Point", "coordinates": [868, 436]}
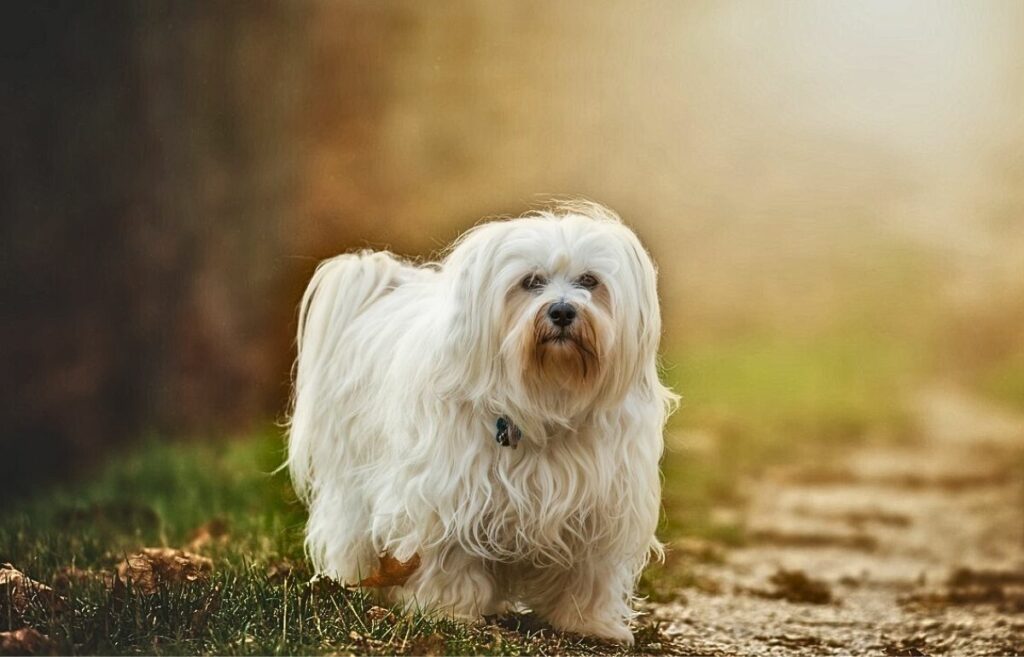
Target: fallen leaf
{"type": "Point", "coordinates": [377, 614]}
{"type": "Point", "coordinates": [19, 590]}
{"type": "Point", "coordinates": [26, 641]}
{"type": "Point", "coordinates": [210, 531]}
{"type": "Point", "coordinates": [391, 571]}
{"type": "Point", "coordinates": [152, 567]}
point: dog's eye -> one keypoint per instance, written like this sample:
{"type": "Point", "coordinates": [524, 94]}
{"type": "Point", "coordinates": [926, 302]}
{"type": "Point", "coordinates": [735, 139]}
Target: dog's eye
{"type": "Point", "coordinates": [533, 282]}
{"type": "Point", "coordinates": [587, 281]}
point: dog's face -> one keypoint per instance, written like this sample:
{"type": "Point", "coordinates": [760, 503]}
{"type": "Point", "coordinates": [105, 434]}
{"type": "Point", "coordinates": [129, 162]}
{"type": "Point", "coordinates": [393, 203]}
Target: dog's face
{"type": "Point", "coordinates": [554, 312]}
{"type": "Point", "coordinates": [558, 322]}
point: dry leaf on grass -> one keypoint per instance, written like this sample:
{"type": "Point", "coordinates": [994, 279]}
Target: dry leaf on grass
{"type": "Point", "coordinates": [215, 530]}
{"type": "Point", "coordinates": [153, 567]}
{"type": "Point", "coordinates": [26, 641]}
{"type": "Point", "coordinates": [392, 572]}
{"type": "Point", "coordinates": [18, 589]}
{"type": "Point", "coordinates": [377, 614]}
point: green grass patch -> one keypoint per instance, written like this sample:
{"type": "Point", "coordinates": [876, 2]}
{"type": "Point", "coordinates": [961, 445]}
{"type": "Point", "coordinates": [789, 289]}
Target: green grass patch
{"type": "Point", "coordinates": [258, 599]}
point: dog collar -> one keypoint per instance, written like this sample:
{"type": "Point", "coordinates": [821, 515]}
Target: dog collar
{"type": "Point", "coordinates": [508, 434]}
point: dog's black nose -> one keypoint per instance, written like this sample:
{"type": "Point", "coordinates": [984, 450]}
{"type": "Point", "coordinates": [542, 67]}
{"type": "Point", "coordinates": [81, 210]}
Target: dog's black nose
{"type": "Point", "coordinates": [562, 313]}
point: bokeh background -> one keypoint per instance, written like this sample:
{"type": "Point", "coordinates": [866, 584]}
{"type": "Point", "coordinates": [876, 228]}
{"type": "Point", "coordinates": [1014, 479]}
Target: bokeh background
{"type": "Point", "coordinates": [834, 192]}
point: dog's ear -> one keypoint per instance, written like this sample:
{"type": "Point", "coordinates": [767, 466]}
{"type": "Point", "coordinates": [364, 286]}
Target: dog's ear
{"type": "Point", "coordinates": [473, 312]}
{"type": "Point", "coordinates": [637, 301]}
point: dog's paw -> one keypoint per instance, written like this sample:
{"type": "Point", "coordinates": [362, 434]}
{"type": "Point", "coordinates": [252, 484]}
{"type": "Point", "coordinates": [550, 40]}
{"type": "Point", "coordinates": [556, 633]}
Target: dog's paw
{"type": "Point", "coordinates": [614, 630]}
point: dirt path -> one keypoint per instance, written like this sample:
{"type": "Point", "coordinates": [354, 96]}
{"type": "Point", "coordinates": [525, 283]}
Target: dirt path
{"type": "Point", "coordinates": [908, 549]}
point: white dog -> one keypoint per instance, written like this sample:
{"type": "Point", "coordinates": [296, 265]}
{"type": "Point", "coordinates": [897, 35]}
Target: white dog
{"type": "Point", "coordinates": [489, 427]}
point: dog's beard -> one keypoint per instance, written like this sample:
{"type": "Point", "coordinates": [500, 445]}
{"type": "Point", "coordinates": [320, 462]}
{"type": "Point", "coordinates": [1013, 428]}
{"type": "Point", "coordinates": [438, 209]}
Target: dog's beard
{"type": "Point", "coordinates": [568, 358]}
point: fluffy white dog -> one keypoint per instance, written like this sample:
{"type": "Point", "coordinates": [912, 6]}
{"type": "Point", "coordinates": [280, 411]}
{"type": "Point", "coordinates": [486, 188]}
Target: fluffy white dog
{"type": "Point", "coordinates": [486, 430]}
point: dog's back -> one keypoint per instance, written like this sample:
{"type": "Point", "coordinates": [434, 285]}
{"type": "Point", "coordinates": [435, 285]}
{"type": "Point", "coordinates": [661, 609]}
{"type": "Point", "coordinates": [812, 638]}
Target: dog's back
{"type": "Point", "coordinates": [342, 289]}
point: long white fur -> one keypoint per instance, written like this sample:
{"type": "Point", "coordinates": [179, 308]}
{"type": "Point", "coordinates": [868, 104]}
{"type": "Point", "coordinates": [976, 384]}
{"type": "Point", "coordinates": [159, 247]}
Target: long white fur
{"type": "Point", "coordinates": [401, 374]}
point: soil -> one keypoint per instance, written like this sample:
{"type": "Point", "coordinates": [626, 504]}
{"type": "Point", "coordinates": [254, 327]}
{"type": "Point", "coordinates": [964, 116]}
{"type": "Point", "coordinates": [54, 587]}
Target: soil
{"type": "Point", "coordinates": [907, 548]}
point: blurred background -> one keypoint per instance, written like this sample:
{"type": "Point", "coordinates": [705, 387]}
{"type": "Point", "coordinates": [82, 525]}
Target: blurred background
{"type": "Point", "coordinates": [834, 192]}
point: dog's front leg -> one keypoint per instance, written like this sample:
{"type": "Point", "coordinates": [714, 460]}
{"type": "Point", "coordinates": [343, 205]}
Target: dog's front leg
{"type": "Point", "coordinates": [453, 583]}
{"type": "Point", "coordinates": [592, 598]}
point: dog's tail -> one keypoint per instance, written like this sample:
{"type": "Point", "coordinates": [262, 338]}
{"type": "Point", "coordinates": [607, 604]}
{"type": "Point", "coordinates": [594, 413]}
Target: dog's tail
{"type": "Point", "coordinates": [341, 289]}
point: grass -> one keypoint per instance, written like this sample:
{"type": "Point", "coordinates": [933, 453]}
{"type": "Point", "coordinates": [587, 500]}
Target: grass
{"type": "Point", "coordinates": [258, 599]}
{"type": "Point", "coordinates": [758, 400]}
